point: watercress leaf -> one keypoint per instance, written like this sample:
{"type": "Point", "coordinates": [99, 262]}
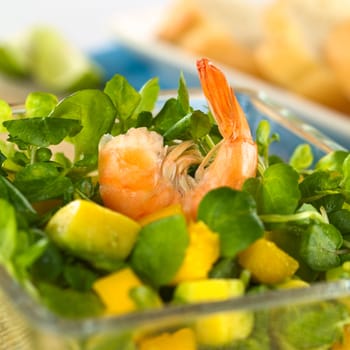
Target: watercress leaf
{"type": "Point", "coordinates": [12, 194]}
{"type": "Point", "coordinates": [332, 161]}
{"type": "Point", "coordinates": [42, 132]}
{"type": "Point", "coordinates": [302, 157]}
{"type": "Point", "coordinates": [124, 97]}
{"type": "Point", "coordinates": [232, 214]}
{"type": "Point", "coordinates": [200, 124]}
{"type": "Point", "coordinates": [144, 119]}
{"type": "Point", "coordinates": [96, 113]}
{"type": "Point", "coordinates": [252, 186]}
{"type": "Point", "coordinates": [40, 104]}
{"type": "Point", "coordinates": [180, 130]}
{"type": "Point", "coordinates": [170, 113]}
{"type": "Point", "coordinates": [149, 95]}
{"type": "Point", "coordinates": [41, 181]}
{"type": "Point", "coordinates": [79, 277]}
{"type": "Point", "coordinates": [279, 191]}
{"type": "Point", "coordinates": [225, 268]}
{"type": "Point", "coordinates": [160, 250]}
{"type": "Point", "coordinates": [8, 231]}
{"type": "Point", "coordinates": [341, 220]}
{"type": "Point", "coordinates": [145, 297]}
{"type": "Point", "coordinates": [288, 238]}
{"type": "Point", "coordinates": [263, 138]}
{"type": "Point", "coordinates": [69, 302]}
{"type": "Point", "coordinates": [309, 326]}
{"type": "Point", "coordinates": [318, 183]}
{"type": "Point", "coordinates": [2, 160]}
{"type": "Point", "coordinates": [25, 258]}
{"type": "Point", "coordinates": [49, 266]}
{"type": "Point", "coordinates": [5, 114]}
{"type": "Point", "coordinates": [319, 245]}
{"type": "Point", "coordinates": [345, 183]}
{"type": "Point", "coordinates": [183, 95]}
{"type": "Point", "coordinates": [330, 202]}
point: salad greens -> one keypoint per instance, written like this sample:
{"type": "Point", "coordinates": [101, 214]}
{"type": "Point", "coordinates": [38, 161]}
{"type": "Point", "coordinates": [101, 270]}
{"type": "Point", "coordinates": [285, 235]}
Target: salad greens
{"type": "Point", "coordinates": [305, 211]}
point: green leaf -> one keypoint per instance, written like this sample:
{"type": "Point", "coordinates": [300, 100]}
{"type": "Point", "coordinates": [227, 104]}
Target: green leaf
{"type": "Point", "coordinates": [302, 157]}
{"type": "Point", "coordinates": [69, 302]}
{"type": "Point", "coordinates": [308, 327]}
{"type": "Point", "coordinates": [96, 113]}
{"type": "Point", "coordinates": [145, 297]}
{"type": "Point", "coordinates": [332, 161]}
{"type": "Point", "coordinates": [183, 95]}
{"type": "Point", "coordinates": [8, 231]}
{"type": "Point", "coordinates": [5, 114]}
{"type": "Point", "coordinates": [41, 181]}
{"type": "Point", "coordinates": [318, 184]}
{"type": "Point", "coordinates": [170, 114]}
{"type": "Point", "coordinates": [79, 277]}
{"type": "Point", "coordinates": [232, 214]}
{"type": "Point", "coordinates": [190, 127]}
{"type": "Point", "coordinates": [49, 266]}
{"type": "Point", "coordinates": [40, 104]}
{"type": "Point", "coordinates": [319, 245]}
{"type": "Point", "coordinates": [149, 96]}
{"type": "Point", "coordinates": [160, 250]}
{"type": "Point", "coordinates": [263, 139]}
{"type": "Point", "coordinates": [341, 220]}
{"type": "Point", "coordinates": [345, 184]}
{"type": "Point", "coordinates": [279, 191]}
{"type": "Point", "coordinates": [12, 194]}
{"type": "Point", "coordinates": [124, 97]}
{"type": "Point", "coordinates": [42, 132]}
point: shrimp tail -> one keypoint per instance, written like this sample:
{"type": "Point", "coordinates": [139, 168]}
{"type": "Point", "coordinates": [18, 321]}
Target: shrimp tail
{"type": "Point", "coordinates": [222, 101]}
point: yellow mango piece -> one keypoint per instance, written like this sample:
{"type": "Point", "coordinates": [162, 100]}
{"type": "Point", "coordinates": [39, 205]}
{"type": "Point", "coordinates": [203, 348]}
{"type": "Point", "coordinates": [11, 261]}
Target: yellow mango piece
{"type": "Point", "coordinates": [345, 343]}
{"type": "Point", "coordinates": [183, 339]}
{"type": "Point", "coordinates": [114, 291]}
{"type": "Point", "coordinates": [172, 209]}
{"type": "Point", "coordinates": [201, 254]}
{"type": "Point", "coordinates": [93, 232]}
{"type": "Point", "coordinates": [222, 328]}
{"type": "Point", "coordinates": [267, 262]}
{"type": "Point", "coordinates": [293, 283]}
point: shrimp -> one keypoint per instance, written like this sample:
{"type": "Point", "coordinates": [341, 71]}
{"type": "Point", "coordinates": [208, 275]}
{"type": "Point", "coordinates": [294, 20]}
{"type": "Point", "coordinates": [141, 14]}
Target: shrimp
{"type": "Point", "coordinates": [139, 175]}
{"type": "Point", "coordinates": [237, 156]}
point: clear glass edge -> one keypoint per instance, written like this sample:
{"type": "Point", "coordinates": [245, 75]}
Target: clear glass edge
{"type": "Point", "coordinates": [41, 318]}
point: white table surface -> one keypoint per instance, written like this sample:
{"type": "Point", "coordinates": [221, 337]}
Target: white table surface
{"type": "Point", "coordinates": [85, 22]}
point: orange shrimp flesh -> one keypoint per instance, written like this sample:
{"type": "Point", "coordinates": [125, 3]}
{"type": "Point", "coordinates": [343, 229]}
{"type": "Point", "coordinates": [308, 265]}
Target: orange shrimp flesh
{"type": "Point", "coordinates": [138, 175]}
{"type": "Point", "coordinates": [130, 173]}
{"type": "Point", "coordinates": [237, 157]}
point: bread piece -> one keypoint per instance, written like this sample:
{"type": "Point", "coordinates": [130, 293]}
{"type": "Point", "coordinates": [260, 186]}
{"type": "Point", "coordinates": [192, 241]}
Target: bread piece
{"type": "Point", "coordinates": [181, 17]}
{"type": "Point", "coordinates": [189, 24]}
{"type": "Point", "coordinates": [287, 58]}
{"type": "Point", "coordinates": [337, 52]}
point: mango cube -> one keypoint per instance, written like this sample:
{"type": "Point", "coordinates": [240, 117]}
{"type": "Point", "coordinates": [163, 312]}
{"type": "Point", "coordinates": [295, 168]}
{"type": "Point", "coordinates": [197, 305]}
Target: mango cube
{"type": "Point", "coordinates": [114, 291]}
{"type": "Point", "coordinates": [267, 262]}
{"type": "Point", "coordinates": [201, 254]}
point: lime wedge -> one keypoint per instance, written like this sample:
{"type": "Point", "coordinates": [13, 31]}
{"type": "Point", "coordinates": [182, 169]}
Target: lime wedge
{"type": "Point", "coordinates": [59, 65]}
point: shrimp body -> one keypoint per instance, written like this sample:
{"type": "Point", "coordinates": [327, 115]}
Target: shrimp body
{"type": "Point", "coordinates": [130, 173]}
{"type": "Point", "coordinates": [138, 175]}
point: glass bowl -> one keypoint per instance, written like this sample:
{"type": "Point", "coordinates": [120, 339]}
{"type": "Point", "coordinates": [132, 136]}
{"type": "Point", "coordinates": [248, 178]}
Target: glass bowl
{"type": "Point", "coordinates": [25, 324]}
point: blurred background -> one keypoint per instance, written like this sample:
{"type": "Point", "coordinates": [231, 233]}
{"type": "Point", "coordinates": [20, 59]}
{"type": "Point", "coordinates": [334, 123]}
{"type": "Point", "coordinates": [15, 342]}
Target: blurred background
{"type": "Point", "coordinates": [295, 51]}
